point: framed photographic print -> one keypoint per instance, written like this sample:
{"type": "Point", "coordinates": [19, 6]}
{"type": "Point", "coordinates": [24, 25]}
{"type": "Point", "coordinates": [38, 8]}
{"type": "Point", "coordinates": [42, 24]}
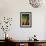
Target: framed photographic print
{"type": "Point", "coordinates": [25, 19]}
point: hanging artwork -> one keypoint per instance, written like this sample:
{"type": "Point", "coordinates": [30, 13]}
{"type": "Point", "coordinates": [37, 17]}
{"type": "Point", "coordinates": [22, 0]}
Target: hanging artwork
{"type": "Point", "coordinates": [25, 19]}
{"type": "Point", "coordinates": [36, 3]}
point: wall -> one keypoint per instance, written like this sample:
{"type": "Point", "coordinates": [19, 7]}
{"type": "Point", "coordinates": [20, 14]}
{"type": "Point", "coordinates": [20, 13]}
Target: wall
{"type": "Point", "coordinates": [12, 8]}
{"type": "Point", "coordinates": [45, 28]}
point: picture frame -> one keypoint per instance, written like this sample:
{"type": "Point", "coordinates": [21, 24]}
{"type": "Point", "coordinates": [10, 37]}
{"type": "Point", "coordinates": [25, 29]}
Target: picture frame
{"type": "Point", "coordinates": [25, 19]}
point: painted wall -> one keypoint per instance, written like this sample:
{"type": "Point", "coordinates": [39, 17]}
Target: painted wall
{"type": "Point", "coordinates": [12, 8]}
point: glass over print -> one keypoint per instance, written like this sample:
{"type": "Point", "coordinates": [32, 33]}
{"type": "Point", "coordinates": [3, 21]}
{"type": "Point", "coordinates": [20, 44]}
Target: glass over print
{"type": "Point", "coordinates": [25, 19]}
